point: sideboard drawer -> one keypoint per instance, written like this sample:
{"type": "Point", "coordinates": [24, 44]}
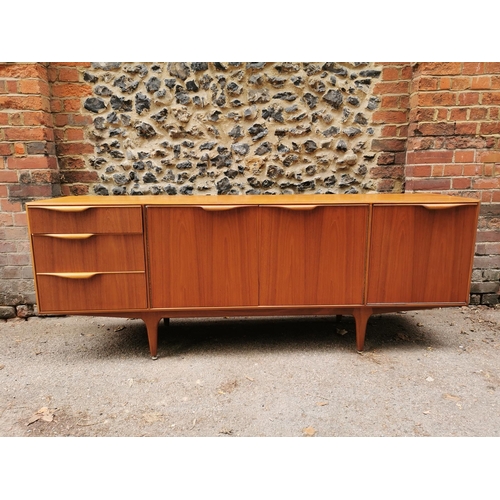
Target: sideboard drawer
{"type": "Point", "coordinates": [73, 292]}
{"type": "Point", "coordinates": [85, 219]}
{"type": "Point", "coordinates": [88, 252]}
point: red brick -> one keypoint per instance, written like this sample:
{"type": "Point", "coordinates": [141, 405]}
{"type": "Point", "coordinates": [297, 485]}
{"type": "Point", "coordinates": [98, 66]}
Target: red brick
{"type": "Point", "coordinates": [437, 99]}
{"type": "Point", "coordinates": [4, 118]}
{"type": "Point", "coordinates": [461, 183]}
{"type": "Point", "coordinates": [72, 105]}
{"type": "Point", "coordinates": [75, 148]}
{"type": "Point", "coordinates": [390, 73]}
{"type": "Point", "coordinates": [468, 98]}
{"type": "Point", "coordinates": [495, 82]}
{"type": "Point", "coordinates": [488, 169]}
{"type": "Point", "coordinates": [441, 128]}
{"type": "Point", "coordinates": [461, 83]}
{"type": "Point", "coordinates": [74, 134]}
{"type": "Point", "coordinates": [490, 157]}
{"type": "Point", "coordinates": [389, 131]}
{"type": "Point", "coordinates": [11, 206]}
{"type": "Point", "coordinates": [19, 149]}
{"type": "Point", "coordinates": [25, 102]}
{"type": "Point", "coordinates": [22, 70]}
{"type": "Point", "coordinates": [431, 184]}
{"type": "Point", "coordinates": [12, 86]}
{"type": "Point", "coordinates": [440, 68]}
{"type": "Point", "coordinates": [68, 75]}
{"type": "Point", "coordinates": [492, 67]}
{"type": "Point", "coordinates": [71, 90]}
{"type": "Point", "coordinates": [390, 101]}
{"type": "Point", "coordinates": [72, 176]}
{"type": "Point", "coordinates": [466, 128]}
{"type": "Point", "coordinates": [419, 157]}
{"type": "Point", "coordinates": [5, 149]}
{"type": "Point", "coordinates": [26, 134]}
{"type": "Point", "coordinates": [427, 83]}
{"type": "Point", "coordinates": [56, 105]}
{"type": "Point", "coordinates": [490, 128]}
{"type": "Point", "coordinates": [458, 114]}
{"type": "Point", "coordinates": [473, 68]}
{"type": "Point", "coordinates": [391, 88]}
{"type": "Point", "coordinates": [477, 114]}
{"type": "Point", "coordinates": [389, 117]}
{"type": "Point", "coordinates": [388, 145]}
{"type": "Point", "coordinates": [486, 183]}
{"type": "Point", "coordinates": [495, 196]}
{"type": "Point", "coordinates": [473, 170]}
{"type": "Point", "coordinates": [464, 156]}
{"type": "Point", "coordinates": [33, 87]}
{"type": "Point", "coordinates": [37, 118]}
{"type": "Point", "coordinates": [8, 176]}
{"type": "Point", "coordinates": [31, 162]}
{"type": "Point", "coordinates": [30, 191]}
{"type": "Point", "coordinates": [481, 82]}
{"type": "Point", "coordinates": [485, 196]}
{"type": "Point", "coordinates": [491, 98]}
{"type": "Point", "coordinates": [20, 219]}
{"type": "Point", "coordinates": [437, 170]}
{"type": "Point", "coordinates": [452, 170]}
{"type": "Point", "coordinates": [445, 83]}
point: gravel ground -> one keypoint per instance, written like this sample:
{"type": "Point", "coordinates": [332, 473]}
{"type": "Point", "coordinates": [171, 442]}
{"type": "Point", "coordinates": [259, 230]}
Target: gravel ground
{"type": "Point", "coordinates": [424, 373]}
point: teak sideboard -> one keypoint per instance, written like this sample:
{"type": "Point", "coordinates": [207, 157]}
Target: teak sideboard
{"type": "Point", "coordinates": [155, 257]}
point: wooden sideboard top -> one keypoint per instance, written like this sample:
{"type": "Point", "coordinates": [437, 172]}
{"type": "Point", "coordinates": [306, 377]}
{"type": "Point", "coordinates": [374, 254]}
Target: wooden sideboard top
{"type": "Point", "coordinates": [296, 199]}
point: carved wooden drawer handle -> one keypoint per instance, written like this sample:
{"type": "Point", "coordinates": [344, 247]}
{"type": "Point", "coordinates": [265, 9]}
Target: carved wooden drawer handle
{"type": "Point", "coordinates": [77, 236]}
{"type": "Point", "coordinates": [220, 208]}
{"type": "Point", "coordinates": [444, 206]}
{"type": "Point", "coordinates": [295, 207]}
{"type": "Point", "coordinates": [67, 208]}
{"type": "Point", "coordinates": [71, 276]}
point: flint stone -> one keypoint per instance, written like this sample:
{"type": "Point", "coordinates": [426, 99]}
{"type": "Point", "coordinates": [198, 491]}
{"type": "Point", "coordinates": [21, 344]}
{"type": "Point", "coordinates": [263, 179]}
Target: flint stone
{"type": "Point", "coordinates": [351, 131]}
{"type": "Point", "coordinates": [102, 90]}
{"type": "Point", "coordinates": [118, 191]}
{"type": "Point", "coordinates": [241, 149]}
{"type": "Point", "coordinates": [101, 190]}
{"type": "Point", "coordinates": [153, 84]}
{"type": "Point", "coordinates": [199, 66]}
{"type": "Point", "coordinates": [106, 66]}
{"type": "Point", "coordinates": [148, 177]}
{"type": "Point", "coordinates": [90, 78]}
{"type": "Point", "coordinates": [94, 104]}
{"type": "Point", "coordinates": [264, 148]}
{"type": "Point", "coordinates": [179, 69]}
{"type": "Point", "coordinates": [334, 98]}
{"type": "Point", "coordinates": [161, 115]}
{"type": "Point", "coordinates": [370, 73]}
{"type": "Point", "coordinates": [126, 84]}
{"type": "Point", "coordinates": [257, 131]}
{"type": "Point", "coordinates": [223, 186]}
{"type": "Point", "coordinates": [145, 130]}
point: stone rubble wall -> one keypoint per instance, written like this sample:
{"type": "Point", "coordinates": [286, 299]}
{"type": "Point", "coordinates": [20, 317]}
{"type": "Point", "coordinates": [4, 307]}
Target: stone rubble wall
{"type": "Point", "coordinates": [231, 128]}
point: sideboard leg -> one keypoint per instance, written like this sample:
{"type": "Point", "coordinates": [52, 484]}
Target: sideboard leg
{"type": "Point", "coordinates": [361, 317]}
{"type": "Point", "coordinates": [151, 321]}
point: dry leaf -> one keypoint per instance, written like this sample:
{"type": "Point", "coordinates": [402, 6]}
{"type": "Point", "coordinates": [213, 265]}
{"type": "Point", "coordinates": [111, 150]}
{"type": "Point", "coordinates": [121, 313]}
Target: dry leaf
{"type": "Point", "coordinates": [45, 414]}
{"type": "Point", "coordinates": [429, 379]}
{"type": "Point", "coordinates": [2, 367]}
{"type": "Point", "coordinates": [249, 378]}
{"type": "Point", "coordinates": [451, 397]}
{"type": "Point", "coordinates": [321, 403]}
{"type": "Point", "coordinates": [309, 431]}
{"type": "Point", "coordinates": [341, 331]}
{"type": "Point", "coordinates": [119, 328]}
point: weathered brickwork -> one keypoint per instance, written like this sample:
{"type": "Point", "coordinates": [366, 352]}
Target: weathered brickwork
{"type": "Point", "coordinates": [235, 128]}
{"type": "Point", "coordinates": [453, 147]}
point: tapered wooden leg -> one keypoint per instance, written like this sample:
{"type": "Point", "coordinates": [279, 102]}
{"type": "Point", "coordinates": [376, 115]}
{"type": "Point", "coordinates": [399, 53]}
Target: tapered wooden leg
{"type": "Point", "coordinates": [151, 321]}
{"type": "Point", "coordinates": [361, 317]}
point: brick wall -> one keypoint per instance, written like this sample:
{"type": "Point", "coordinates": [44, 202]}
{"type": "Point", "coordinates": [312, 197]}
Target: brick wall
{"type": "Point", "coordinates": [28, 170]}
{"type": "Point", "coordinates": [453, 147]}
{"type": "Point", "coordinates": [437, 130]}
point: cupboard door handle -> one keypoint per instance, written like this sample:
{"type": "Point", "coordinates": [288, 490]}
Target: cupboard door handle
{"type": "Point", "coordinates": [71, 276]}
{"type": "Point", "coordinates": [444, 206]}
{"type": "Point", "coordinates": [220, 208]}
{"type": "Point", "coordinates": [66, 208]}
{"type": "Point", "coordinates": [295, 207]}
{"type": "Point", "coordinates": [78, 236]}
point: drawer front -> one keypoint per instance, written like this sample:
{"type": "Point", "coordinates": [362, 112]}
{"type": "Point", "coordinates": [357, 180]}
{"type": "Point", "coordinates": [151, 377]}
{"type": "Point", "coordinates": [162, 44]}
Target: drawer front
{"type": "Point", "coordinates": [92, 292]}
{"type": "Point", "coordinates": [88, 252]}
{"type": "Point", "coordinates": [85, 219]}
